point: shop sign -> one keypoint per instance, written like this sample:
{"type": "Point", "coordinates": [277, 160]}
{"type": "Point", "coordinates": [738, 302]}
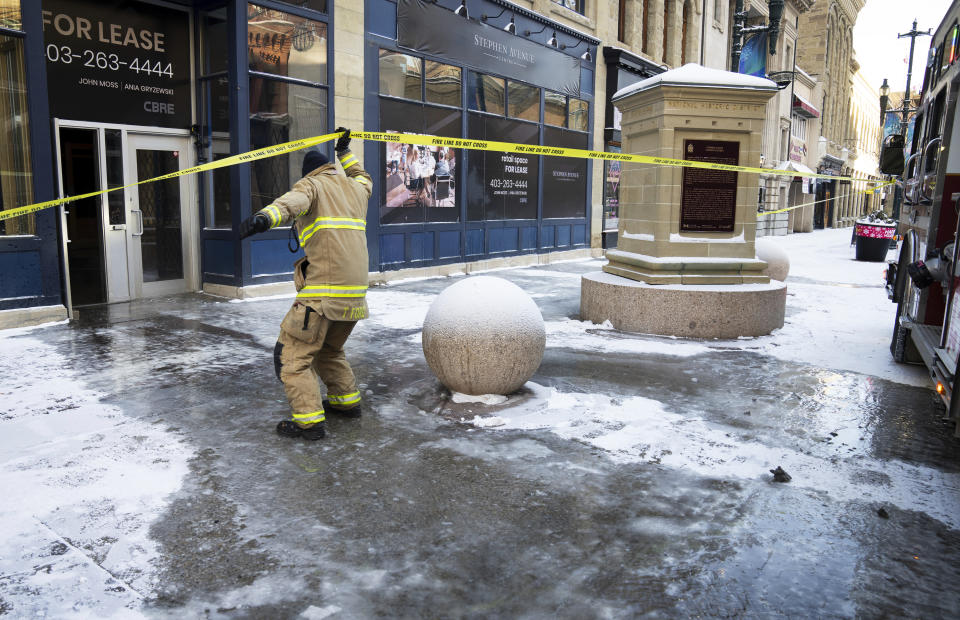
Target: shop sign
{"type": "Point", "coordinates": [708, 198]}
{"type": "Point", "coordinates": [439, 32]}
{"type": "Point", "coordinates": [117, 63]}
{"type": "Point", "coordinates": [798, 150]}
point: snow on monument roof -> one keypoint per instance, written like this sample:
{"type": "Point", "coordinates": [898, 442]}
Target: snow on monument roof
{"type": "Point", "coordinates": [692, 74]}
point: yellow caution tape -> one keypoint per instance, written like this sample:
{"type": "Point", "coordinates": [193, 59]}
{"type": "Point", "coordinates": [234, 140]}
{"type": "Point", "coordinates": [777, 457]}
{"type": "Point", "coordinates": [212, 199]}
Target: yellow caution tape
{"type": "Point", "coordinates": [425, 140]}
{"type": "Point", "coordinates": [809, 204]}
{"type": "Point", "coordinates": [270, 151]}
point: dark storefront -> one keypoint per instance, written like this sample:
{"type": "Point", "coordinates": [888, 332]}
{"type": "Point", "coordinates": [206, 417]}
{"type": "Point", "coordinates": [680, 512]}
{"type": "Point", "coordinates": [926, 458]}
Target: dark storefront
{"type": "Point", "coordinates": [623, 69]}
{"type": "Point", "coordinates": [824, 213]}
{"type": "Point", "coordinates": [440, 73]}
{"type": "Point", "coordinates": [99, 94]}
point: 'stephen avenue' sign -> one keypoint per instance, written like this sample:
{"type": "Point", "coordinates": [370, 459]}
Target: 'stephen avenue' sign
{"type": "Point", "coordinates": [437, 31]}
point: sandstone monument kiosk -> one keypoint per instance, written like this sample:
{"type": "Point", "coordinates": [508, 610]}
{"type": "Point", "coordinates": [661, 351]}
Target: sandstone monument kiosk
{"type": "Point", "coordinates": [686, 263]}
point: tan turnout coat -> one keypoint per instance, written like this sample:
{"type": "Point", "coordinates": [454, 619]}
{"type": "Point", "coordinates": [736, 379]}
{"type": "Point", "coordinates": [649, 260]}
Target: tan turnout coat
{"type": "Point", "coordinates": [328, 208]}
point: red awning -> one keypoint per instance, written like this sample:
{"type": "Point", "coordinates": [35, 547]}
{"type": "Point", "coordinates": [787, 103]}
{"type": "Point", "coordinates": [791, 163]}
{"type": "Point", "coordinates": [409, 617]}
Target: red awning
{"type": "Point", "coordinates": [804, 108]}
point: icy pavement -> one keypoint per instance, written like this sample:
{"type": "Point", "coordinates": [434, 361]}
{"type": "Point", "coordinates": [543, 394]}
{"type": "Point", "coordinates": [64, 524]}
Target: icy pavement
{"type": "Point", "coordinates": [630, 478]}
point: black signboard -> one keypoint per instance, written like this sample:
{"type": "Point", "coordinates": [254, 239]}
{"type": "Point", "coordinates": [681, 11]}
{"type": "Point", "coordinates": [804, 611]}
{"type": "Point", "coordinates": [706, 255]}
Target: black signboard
{"type": "Point", "coordinates": [435, 30]}
{"type": "Point", "coordinates": [564, 178]}
{"type": "Point", "coordinates": [117, 61]}
{"type": "Point", "coordinates": [708, 198]}
{"type": "Point", "coordinates": [502, 186]}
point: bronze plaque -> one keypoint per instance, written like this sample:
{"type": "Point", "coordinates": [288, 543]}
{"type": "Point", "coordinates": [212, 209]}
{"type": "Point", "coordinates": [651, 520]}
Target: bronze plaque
{"type": "Point", "coordinates": [708, 198]}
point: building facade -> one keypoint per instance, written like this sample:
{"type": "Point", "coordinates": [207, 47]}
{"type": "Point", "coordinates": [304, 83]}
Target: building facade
{"type": "Point", "coordinates": [99, 95]}
{"type": "Point", "coordinates": [825, 51]}
{"type": "Point", "coordinates": [864, 149]}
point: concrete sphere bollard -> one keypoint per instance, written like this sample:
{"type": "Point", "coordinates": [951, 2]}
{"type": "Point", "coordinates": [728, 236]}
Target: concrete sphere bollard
{"type": "Point", "coordinates": [778, 263]}
{"type": "Point", "coordinates": [483, 335]}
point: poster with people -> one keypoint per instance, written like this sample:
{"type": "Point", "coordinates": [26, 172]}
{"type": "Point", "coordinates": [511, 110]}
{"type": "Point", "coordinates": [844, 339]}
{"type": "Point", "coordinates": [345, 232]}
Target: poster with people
{"type": "Point", "coordinates": [420, 176]}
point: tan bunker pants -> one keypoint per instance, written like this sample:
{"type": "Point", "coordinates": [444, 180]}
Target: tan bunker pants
{"type": "Point", "coordinates": [310, 346]}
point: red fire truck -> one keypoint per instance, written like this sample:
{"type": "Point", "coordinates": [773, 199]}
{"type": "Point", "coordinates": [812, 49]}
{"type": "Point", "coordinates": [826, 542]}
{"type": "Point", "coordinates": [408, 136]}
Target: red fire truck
{"type": "Point", "coordinates": [925, 278]}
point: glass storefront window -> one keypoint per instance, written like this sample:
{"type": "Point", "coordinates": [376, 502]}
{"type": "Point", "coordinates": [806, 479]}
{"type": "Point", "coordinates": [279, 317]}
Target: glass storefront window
{"type": "Point", "coordinates": [113, 152]}
{"type": "Point", "coordinates": [523, 101]}
{"type": "Point", "coordinates": [564, 178]}
{"type": "Point", "coordinates": [215, 104]}
{"type": "Point", "coordinates": [10, 16]}
{"type": "Point", "coordinates": [316, 5]}
{"type": "Point", "coordinates": [502, 186]}
{"type": "Point", "coordinates": [215, 127]}
{"type": "Point", "coordinates": [578, 114]}
{"type": "Point", "coordinates": [485, 93]}
{"type": "Point", "coordinates": [554, 109]}
{"type": "Point", "coordinates": [611, 191]}
{"type": "Point", "coordinates": [400, 75]}
{"type": "Point", "coordinates": [218, 194]}
{"type": "Point", "coordinates": [442, 83]}
{"type": "Point", "coordinates": [281, 112]}
{"type": "Point", "coordinates": [214, 29]}
{"type": "Point", "coordinates": [284, 44]}
{"type": "Point", "coordinates": [419, 181]}
{"type": "Point", "coordinates": [16, 188]}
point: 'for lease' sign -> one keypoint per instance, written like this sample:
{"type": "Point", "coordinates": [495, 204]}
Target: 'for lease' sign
{"type": "Point", "coordinates": [118, 62]}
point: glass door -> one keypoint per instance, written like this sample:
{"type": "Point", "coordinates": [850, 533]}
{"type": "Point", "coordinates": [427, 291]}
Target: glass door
{"type": "Point", "coordinates": [160, 223]}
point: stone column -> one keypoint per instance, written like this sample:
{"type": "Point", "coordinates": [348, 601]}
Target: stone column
{"type": "Point", "coordinates": [653, 33]}
{"type": "Point", "coordinates": [686, 263]}
{"type": "Point", "coordinates": [658, 120]}
{"type": "Point", "coordinates": [348, 68]}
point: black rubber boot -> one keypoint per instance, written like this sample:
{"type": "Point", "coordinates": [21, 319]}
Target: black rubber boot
{"type": "Point", "coordinates": [352, 412]}
{"type": "Point", "coordinates": [289, 428]}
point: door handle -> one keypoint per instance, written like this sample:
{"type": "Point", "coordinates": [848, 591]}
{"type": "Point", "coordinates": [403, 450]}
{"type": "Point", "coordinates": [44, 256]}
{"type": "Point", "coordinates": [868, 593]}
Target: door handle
{"type": "Point", "coordinates": [140, 218]}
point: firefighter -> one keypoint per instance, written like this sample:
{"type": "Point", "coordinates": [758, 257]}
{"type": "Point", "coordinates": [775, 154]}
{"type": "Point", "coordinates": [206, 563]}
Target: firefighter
{"type": "Point", "coordinates": [328, 209]}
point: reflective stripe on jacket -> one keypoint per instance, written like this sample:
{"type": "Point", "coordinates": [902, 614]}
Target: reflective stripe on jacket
{"type": "Point", "coordinates": [329, 210]}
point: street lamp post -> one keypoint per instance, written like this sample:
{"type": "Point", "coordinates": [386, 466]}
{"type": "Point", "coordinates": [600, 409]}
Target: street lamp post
{"type": "Point", "coordinates": [905, 108]}
{"type": "Point", "coordinates": [913, 34]}
{"type": "Point", "coordinates": [884, 102]}
{"type": "Point", "coordinates": [775, 9]}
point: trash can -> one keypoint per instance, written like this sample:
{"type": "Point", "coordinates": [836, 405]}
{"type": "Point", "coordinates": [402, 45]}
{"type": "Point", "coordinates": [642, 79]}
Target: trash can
{"type": "Point", "coordinates": [873, 240]}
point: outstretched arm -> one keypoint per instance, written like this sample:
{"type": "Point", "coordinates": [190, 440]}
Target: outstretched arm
{"type": "Point", "coordinates": [280, 212]}
{"type": "Point", "coordinates": [349, 162]}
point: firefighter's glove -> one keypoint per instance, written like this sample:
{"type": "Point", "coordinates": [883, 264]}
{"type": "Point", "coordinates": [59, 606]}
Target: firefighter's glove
{"type": "Point", "coordinates": [257, 223]}
{"type": "Point", "coordinates": [343, 142]}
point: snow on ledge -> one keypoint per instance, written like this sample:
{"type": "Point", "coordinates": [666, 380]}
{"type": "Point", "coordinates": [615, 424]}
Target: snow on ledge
{"type": "Point", "coordinates": [692, 74]}
{"type": "Point", "coordinates": [609, 278]}
{"type": "Point", "coordinates": [639, 236]}
{"type": "Point", "coordinates": [678, 238]}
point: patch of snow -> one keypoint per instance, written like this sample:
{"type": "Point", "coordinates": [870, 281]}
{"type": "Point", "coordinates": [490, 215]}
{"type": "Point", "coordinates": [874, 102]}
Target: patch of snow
{"type": "Point", "coordinates": [638, 429]}
{"type": "Point", "coordinates": [692, 74]}
{"type": "Point", "coordinates": [678, 238]}
{"type": "Point", "coordinates": [486, 399]}
{"type": "Point", "coordinates": [398, 309]}
{"type": "Point", "coordinates": [587, 336]}
{"type": "Point", "coordinates": [263, 298]}
{"type": "Point", "coordinates": [486, 422]}
{"type": "Point", "coordinates": [82, 484]}
{"type": "Point", "coordinates": [639, 236]}
{"type": "Point", "coordinates": [19, 331]}
{"type": "Point", "coordinates": [319, 613]}
{"type": "Point", "coordinates": [609, 278]}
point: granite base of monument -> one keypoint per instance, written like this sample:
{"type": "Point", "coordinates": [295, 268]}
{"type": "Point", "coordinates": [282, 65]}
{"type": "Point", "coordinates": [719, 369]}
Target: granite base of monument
{"type": "Point", "coordinates": [690, 311]}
